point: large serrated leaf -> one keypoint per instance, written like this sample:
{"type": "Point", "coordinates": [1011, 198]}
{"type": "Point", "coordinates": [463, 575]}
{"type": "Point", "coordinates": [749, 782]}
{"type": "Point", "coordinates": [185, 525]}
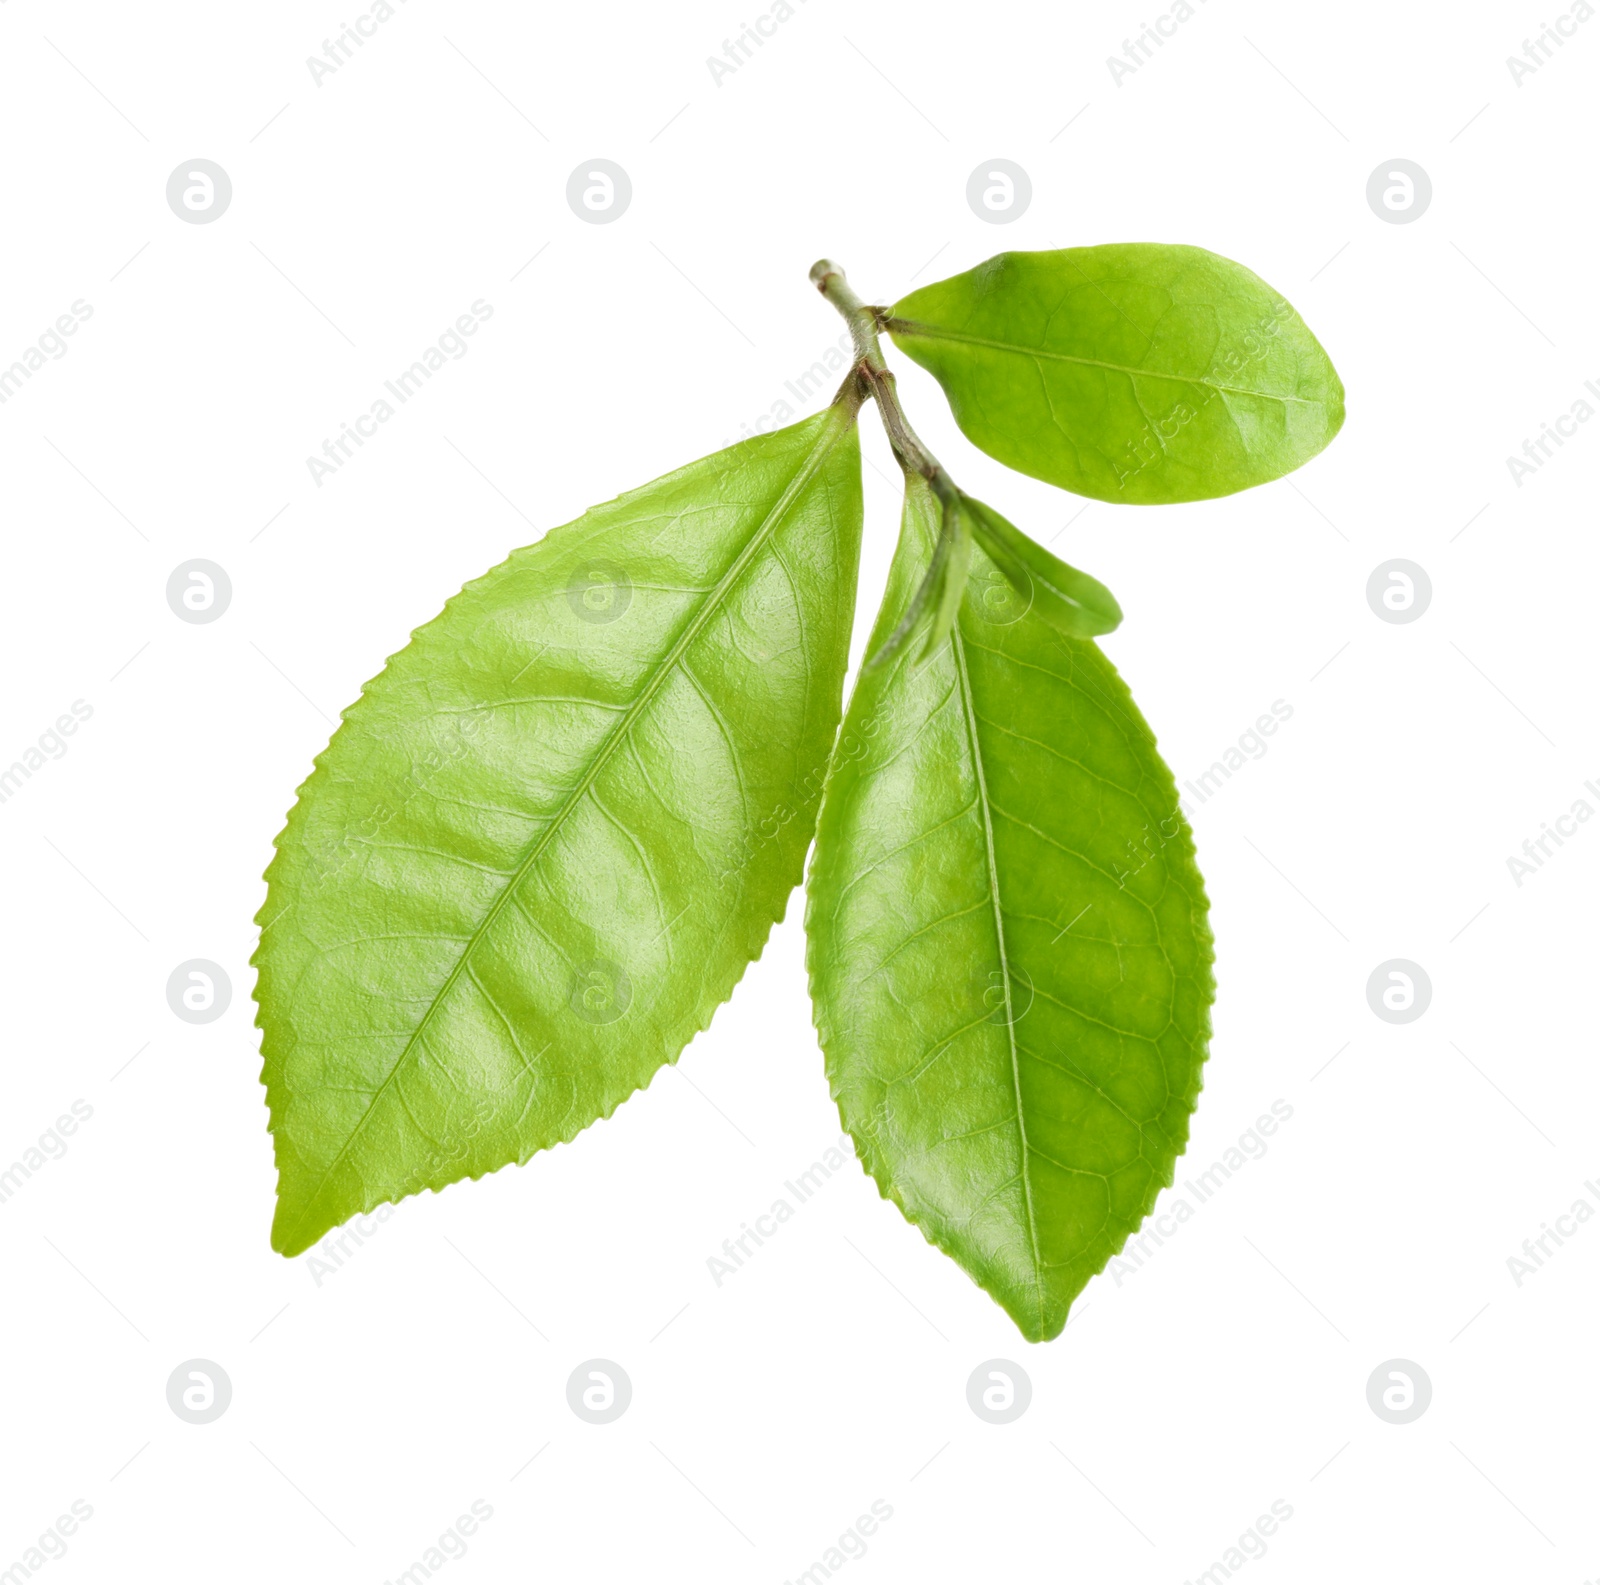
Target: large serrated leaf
{"type": "Point", "coordinates": [1007, 941]}
{"type": "Point", "coordinates": [1136, 372]}
{"type": "Point", "coordinates": [547, 840]}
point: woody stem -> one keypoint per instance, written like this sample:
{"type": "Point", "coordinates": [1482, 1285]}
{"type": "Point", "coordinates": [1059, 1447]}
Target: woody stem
{"type": "Point", "coordinates": [864, 322]}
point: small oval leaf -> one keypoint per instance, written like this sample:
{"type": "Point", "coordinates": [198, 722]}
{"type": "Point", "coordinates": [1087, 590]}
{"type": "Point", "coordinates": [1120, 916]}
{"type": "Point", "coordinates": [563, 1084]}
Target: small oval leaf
{"type": "Point", "coordinates": [1070, 601]}
{"type": "Point", "coordinates": [1135, 372]}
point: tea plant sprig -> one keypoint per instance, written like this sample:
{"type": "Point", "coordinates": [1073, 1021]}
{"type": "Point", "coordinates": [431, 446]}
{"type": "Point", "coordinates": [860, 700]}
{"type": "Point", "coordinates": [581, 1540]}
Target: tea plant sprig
{"type": "Point", "coordinates": [548, 838]}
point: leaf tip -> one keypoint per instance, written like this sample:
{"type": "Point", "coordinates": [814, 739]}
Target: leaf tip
{"type": "Point", "coordinates": [288, 1231]}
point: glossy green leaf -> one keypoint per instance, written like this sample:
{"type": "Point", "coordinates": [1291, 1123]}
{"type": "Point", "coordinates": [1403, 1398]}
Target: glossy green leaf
{"type": "Point", "coordinates": [930, 595]}
{"type": "Point", "coordinates": [1007, 941]}
{"type": "Point", "coordinates": [1070, 601]}
{"type": "Point", "coordinates": [953, 573]}
{"type": "Point", "coordinates": [1136, 372]}
{"type": "Point", "coordinates": [546, 841]}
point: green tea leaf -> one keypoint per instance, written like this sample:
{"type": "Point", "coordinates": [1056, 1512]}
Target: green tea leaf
{"type": "Point", "coordinates": [546, 841]}
{"type": "Point", "coordinates": [1070, 601]}
{"type": "Point", "coordinates": [933, 593]}
{"type": "Point", "coordinates": [956, 529]}
{"type": "Point", "coordinates": [1007, 941]}
{"type": "Point", "coordinates": [1136, 372]}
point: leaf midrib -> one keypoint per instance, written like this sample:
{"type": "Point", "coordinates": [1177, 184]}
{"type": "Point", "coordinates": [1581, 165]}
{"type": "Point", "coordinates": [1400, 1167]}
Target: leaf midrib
{"type": "Point", "coordinates": [602, 755]}
{"type": "Point", "coordinates": [970, 717]}
{"type": "Point", "coordinates": [917, 327]}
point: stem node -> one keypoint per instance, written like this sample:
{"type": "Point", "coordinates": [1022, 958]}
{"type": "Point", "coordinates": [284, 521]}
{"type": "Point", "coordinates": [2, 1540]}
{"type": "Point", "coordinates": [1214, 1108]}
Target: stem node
{"type": "Point", "coordinates": [865, 323]}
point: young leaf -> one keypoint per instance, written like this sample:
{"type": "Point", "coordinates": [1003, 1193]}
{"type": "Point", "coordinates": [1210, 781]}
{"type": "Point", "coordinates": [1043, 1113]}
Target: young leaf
{"type": "Point", "coordinates": [546, 841]}
{"type": "Point", "coordinates": [1135, 372]}
{"type": "Point", "coordinates": [1070, 601]}
{"type": "Point", "coordinates": [933, 592]}
{"type": "Point", "coordinates": [1007, 942]}
{"type": "Point", "coordinates": [957, 529]}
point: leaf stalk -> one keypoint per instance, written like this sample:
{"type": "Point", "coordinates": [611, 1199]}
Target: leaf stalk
{"type": "Point", "coordinates": [873, 374]}
{"type": "Point", "coordinates": [864, 322]}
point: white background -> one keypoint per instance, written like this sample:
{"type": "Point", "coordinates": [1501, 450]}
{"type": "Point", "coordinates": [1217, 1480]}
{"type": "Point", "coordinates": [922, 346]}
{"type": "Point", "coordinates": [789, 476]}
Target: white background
{"type": "Point", "coordinates": [367, 213]}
